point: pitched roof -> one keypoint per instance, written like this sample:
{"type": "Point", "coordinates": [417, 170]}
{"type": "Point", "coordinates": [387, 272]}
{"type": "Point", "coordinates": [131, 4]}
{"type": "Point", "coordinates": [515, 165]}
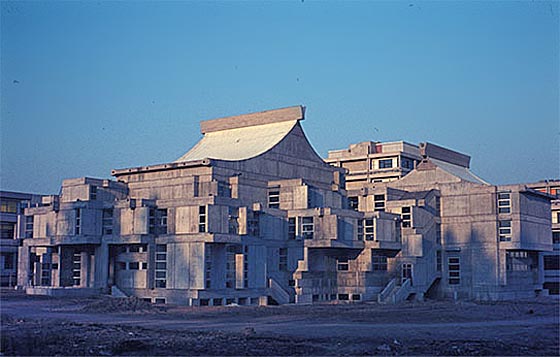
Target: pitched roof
{"type": "Point", "coordinates": [245, 136]}
{"type": "Point", "coordinates": [459, 171]}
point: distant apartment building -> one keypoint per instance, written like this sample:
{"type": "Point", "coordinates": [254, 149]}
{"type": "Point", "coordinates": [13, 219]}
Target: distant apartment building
{"type": "Point", "coordinates": [11, 205]}
{"type": "Point", "coordinates": [252, 215]}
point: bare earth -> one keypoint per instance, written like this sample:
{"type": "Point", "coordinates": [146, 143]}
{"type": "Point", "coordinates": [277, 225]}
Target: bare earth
{"type": "Point", "coordinates": [107, 326]}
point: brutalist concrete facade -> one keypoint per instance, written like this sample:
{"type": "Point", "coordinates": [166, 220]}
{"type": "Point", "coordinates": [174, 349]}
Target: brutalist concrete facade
{"type": "Point", "coordinates": [252, 215]}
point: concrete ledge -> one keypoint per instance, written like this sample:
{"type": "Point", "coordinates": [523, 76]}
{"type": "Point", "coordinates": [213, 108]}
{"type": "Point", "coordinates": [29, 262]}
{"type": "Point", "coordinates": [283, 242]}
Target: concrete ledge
{"type": "Point", "coordinates": [69, 291]}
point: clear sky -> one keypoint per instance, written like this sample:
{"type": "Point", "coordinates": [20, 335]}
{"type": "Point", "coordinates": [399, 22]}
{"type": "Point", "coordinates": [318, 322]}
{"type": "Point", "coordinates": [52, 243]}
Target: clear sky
{"type": "Point", "coordinates": [87, 87]}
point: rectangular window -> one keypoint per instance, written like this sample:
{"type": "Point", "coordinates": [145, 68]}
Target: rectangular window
{"type": "Point", "coordinates": [202, 219]}
{"type": "Point", "coordinates": [274, 198]}
{"type": "Point", "coordinates": [504, 231]}
{"type": "Point", "coordinates": [161, 221]}
{"type": "Point", "coordinates": [518, 261]}
{"type": "Point", "coordinates": [386, 163]}
{"type": "Point", "coordinates": [556, 237]}
{"type": "Point", "coordinates": [8, 207]}
{"type": "Point", "coordinates": [92, 193]}
{"type": "Point", "coordinates": [291, 228]}
{"type": "Point", "coordinates": [231, 251]}
{"type": "Point", "coordinates": [406, 217]}
{"type": "Point", "coordinates": [454, 270]}
{"type": "Point", "coordinates": [7, 230]}
{"type": "Point", "coordinates": [360, 229]}
{"type": "Point", "coordinates": [233, 225]}
{"type": "Point", "coordinates": [379, 202]}
{"type": "Point", "coordinates": [76, 269]}
{"type": "Point", "coordinates": [152, 221]}
{"type": "Point", "coordinates": [379, 262]}
{"type": "Point", "coordinates": [504, 202]}
{"type": "Point", "coordinates": [78, 222]}
{"type": "Point", "coordinates": [551, 262]}
{"type": "Point", "coordinates": [342, 264]}
{"type": "Point", "coordinates": [438, 205]}
{"type": "Point", "coordinates": [353, 203]}
{"type": "Point", "coordinates": [307, 227]}
{"type": "Point", "coordinates": [253, 224]}
{"type": "Point", "coordinates": [246, 266]}
{"type": "Point", "coordinates": [438, 260]}
{"type": "Point", "coordinates": [438, 233]}
{"type": "Point", "coordinates": [133, 266]}
{"type": "Point", "coordinates": [8, 261]}
{"type": "Point", "coordinates": [29, 226]}
{"type": "Point", "coordinates": [161, 266]}
{"type": "Point", "coordinates": [207, 266]}
{"type": "Point", "coordinates": [407, 163]}
{"type": "Point", "coordinates": [283, 259]}
{"type": "Point", "coordinates": [369, 228]}
{"type": "Point", "coordinates": [107, 221]}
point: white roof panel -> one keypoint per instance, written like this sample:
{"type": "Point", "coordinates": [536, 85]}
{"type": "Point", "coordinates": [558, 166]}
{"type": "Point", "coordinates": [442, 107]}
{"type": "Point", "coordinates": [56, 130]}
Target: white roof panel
{"type": "Point", "coordinates": [239, 143]}
{"type": "Point", "coordinates": [461, 172]}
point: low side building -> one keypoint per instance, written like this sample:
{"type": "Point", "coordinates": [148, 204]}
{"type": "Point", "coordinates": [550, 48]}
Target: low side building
{"type": "Point", "coordinates": [12, 204]}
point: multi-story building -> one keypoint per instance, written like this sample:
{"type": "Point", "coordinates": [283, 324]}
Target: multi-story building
{"type": "Point", "coordinates": [551, 260]}
{"type": "Point", "coordinates": [11, 204]}
{"type": "Point", "coordinates": [251, 214]}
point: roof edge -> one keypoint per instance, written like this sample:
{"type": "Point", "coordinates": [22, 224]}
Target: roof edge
{"type": "Point", "coordinates": [252, 119]}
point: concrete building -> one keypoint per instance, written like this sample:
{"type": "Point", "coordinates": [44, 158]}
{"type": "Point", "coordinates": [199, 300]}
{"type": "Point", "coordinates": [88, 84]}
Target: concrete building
{"type": "Point", "coordinates": [252, 215]}
{"type": "Point", "coordinates": [551, 260]}
{"type": "Point", "coordinates": [11, 204]}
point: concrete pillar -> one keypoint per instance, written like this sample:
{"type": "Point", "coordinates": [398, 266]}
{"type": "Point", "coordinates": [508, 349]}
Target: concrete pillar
{"type": "Point", "coordinates": [84, 271]}
{"type": "Point", "coordinates": [23, 266]}
{"type": "Point", "coordinates": [101, 264]}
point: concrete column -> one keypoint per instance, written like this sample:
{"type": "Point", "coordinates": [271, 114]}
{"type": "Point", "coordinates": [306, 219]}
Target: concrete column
{"type": "Point", "coordinates": [84, 271]}
{"type": "Point", "coordinates": [101, 264]}
{"type": "Point", "coordinates": [23, 266]}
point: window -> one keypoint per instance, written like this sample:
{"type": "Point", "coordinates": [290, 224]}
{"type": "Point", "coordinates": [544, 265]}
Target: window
{"type": "Point", "coordinates": [438, 233]}
{"type": "Point", "coordinates": [253, 225]}
{"type": "Point", "coordinates": [454, 270]}
{"type": "Point", "coordinates": [230, 266]}
{"type": "Point", "coordinates": [504, 202]}
{"type": "Point", "coordinates": [379, 202]}
{"type": "Point", "coordinates": [291, 228]}
{"type": "Point", "coordinates": [353, 203]}
{"type": "Point", "coordinates": [504, 231]}
{"type": "Point", "coordinates": [556, 237]}
{"type": "Point", "coordinates": [343, 297]}
{"type": "Point", "coordinates": [438, 205]}
{"type": "Point", "coordinates": [246, 266]}
{"type": "Point", "coordinates": [307, 227]}
{"type": "Point", "coordinates": [92, 193]}
{"type": "Point", "coordinates": [360, 229]}
{"type": "Point", "coordinates": [207, 266]}
{"type": "Point", "coordinates": [7, 230]}
{"type": "Point", "coordinates": [107, 221]}
{"type": "Point", "coordinates": [224, 189]}
{"type": "Point", "coordinates": [406, 217]}
{"type": "Point", "coordinates": [8, 207]}
{"type": "Point", "coordinates": [233, 213]}
{"type": "Point", "coordinates": [438, 260]}
{"type": "Point", "coordinates": [283, 259]}
{"type": "Point", "coordinates": [161, 266]}
{"type": "Point", "coordinates": [342, 264]}
{"type": "Point", "coordinates": [8, 261]}
{"type": "Point", "coordinates": [379, 262]}
{"type": "Point", "coordinates": [274, 198]}
{"type": "Point", "coordinates": [551, 262]}
{"type": "Point", "coordinates": [28, 226]}
{"type": "Point", "coordinates": [161, 220]}
{"type": "Point", "coordinates": [45, 274]}
{"type": "Point", "coordinates": [133, 265]}
{"type": "Point", "coordinates": [202, 219]}
{"type": "Point", "coordinates": [385, 163]}
{"type": "Point", "coordinates": [407, 163]}
{"type": "Point", "coordinates": [369, 228]}
{"type": "Point", "coordinates": [76, 269]}
{"type": "Point", "coordinates": [78, 222]}
{"type": "Point", "coordinates": [144, 266]}
{"type": "Point", "coordinates": [518, 261]}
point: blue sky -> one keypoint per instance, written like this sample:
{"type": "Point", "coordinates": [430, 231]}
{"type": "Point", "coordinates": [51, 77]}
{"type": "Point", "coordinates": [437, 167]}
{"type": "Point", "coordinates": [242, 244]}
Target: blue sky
{"type": "Point", "coordinates": [91, 86]}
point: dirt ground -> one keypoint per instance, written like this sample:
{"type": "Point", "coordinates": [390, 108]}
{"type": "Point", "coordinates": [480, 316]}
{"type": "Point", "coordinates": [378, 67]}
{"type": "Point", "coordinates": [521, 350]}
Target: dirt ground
{"type": "Point", "coordinates": [108, 326]}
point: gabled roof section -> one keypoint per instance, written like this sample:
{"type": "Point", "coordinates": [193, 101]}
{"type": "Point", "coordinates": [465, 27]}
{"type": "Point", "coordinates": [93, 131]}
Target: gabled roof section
{"type": "Point", "coordinates": [245, 136]}
{"type": "Point", "coordinates": [461, 172]}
